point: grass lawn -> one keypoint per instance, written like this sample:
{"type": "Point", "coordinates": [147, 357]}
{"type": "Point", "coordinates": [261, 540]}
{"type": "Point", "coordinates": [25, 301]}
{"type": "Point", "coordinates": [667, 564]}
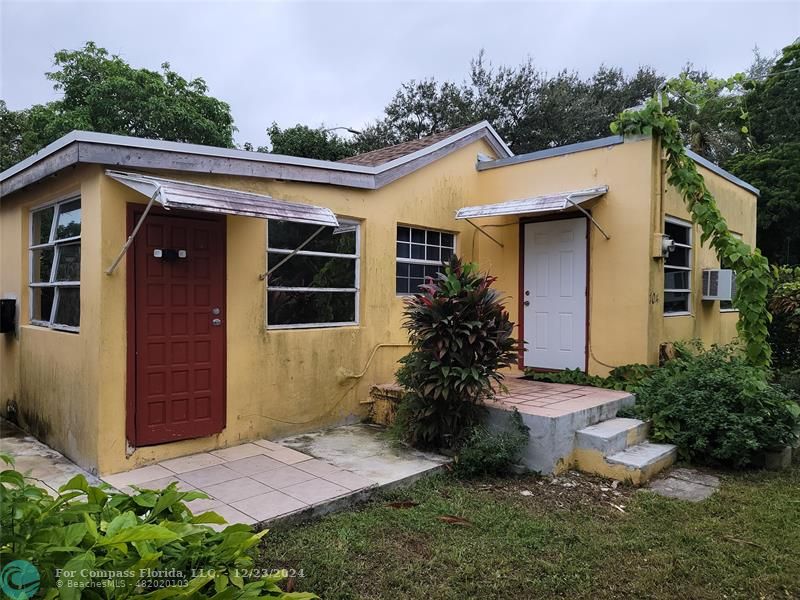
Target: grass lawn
{"type": "Point", "coordinates": [572, 537]}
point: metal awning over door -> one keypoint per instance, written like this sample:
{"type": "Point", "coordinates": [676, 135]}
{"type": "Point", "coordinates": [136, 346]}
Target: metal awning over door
{"type": "Point", "coordinates": [192, 196]}
{"type": "Point", "coordinates": [537, 205]}
{"type": "Point", "coordinates": [183, 195]}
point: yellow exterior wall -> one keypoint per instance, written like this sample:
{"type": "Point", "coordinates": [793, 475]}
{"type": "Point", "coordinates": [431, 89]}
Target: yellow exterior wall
{"type": "Point", "coordinates": [618, 268]}
{"type": "Point", "coordinates": [707, 322]}
{"type": "Point", "coordinates": [281, 382]}
{"type": "Point", "coordinates": [71, 388]}
{"type": "Point", "coordinates": [51, 377]}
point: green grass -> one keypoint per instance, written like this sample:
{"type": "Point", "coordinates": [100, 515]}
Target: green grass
{"type": "Point", "coordinates": [557, 542]}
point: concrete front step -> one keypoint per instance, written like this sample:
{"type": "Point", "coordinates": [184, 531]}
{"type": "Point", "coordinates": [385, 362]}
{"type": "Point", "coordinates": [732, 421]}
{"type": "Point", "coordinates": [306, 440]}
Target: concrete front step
{"type": "Point", "coordinates": [636, 464]}
{"type": "Point", "coordinates": [612, 436]}
{"type": "Point", "coordinates": [645, 459]}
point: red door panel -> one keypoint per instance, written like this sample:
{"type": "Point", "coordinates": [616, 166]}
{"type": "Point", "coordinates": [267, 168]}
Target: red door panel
{"type": "Point", "coordinates": [180, 329]}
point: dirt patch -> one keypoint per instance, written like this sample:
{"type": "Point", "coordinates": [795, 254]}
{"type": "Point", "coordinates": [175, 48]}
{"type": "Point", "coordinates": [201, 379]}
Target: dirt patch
{"type": "Point", "coordinates": [568, 491]}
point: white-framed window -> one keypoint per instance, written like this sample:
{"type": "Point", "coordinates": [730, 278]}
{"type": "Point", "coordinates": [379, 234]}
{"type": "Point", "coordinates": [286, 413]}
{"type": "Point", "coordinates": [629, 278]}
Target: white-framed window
{"type": "Point", "coordinates": [727, 305]}
{"type": "Point", "coordinates": [55, 265]}
{"type": "Point", "coordinates": [678, 267]}
{"type": "Point", "coordinates": [420, 253]}
{"type": "Point", "coordinates": [318, 286]}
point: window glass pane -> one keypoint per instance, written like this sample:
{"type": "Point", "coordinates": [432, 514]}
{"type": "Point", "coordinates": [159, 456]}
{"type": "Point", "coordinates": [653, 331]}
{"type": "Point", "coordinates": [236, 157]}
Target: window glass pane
{"type": "Point", "coordinates": [41, 263]}
{"type": "Point", "coordinates": [414, 284]}
{"type": "Point", "coordinates": [402, 269]}
{"type": "Point", "coordinates": [433, 237]}
{"type": "Point", "coordinates": [403, 250]}
{"type": "Point", "coordinates": [69, 220]}
{"type": "Point", "coordinates": [312, 271]}
{"type": "Point", "coordinates": [432, 253]}
{"type": "Point", "coordinates": [418, 236]}
{"type": "Point", "coordinates": [402, 285]}
{"type": "Point", "coordinates": [431, 271]}
{"type": "Point", "coordinates": [417, 251]}
{"type": "Point", "coordinates": [289, 236]}
{"type": "Point", "coordinates": [446, 253]}
{"type": "Point", "coordinates": [42, 303]}
{"type": "Point", "coordinates": [676, 280]}
{"type": "Point", "coordinates": [676, 302]}
{"type": "Point", "coordinates": [293, 308]}
{"type": "Point", "coordinates": [417, 270]}
{"type": "Point", "coordinates": [403, 234]}
{"type": "Point", "coordinates": [69, 263]}
{"type": "Point", "coordinates": [447, 240]}
{"type": "Point", "coordinates": [679, 233]}
{"type": "Point", "coordinates": [678, 258]}
{"type": "Point", "coordinates": [68, 311]}
{"type": "Point", "coordinates": [42, 223]}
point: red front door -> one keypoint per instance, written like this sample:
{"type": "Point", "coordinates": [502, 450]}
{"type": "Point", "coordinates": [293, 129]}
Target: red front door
{"type": "Point", "coordinates": [179, 314]}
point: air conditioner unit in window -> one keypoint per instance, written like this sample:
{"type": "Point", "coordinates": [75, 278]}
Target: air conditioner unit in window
{"type": "Point", "coordinates": [718, 284]}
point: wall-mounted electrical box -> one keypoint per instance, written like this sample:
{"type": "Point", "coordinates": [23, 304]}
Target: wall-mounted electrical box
{"type": "Point", "coordinates": [8, 315]}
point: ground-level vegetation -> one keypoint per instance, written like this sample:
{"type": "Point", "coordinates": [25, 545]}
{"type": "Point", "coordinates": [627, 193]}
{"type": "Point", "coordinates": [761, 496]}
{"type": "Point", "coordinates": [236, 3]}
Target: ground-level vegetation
{"type": "Point", "coordinates": [572, 536]}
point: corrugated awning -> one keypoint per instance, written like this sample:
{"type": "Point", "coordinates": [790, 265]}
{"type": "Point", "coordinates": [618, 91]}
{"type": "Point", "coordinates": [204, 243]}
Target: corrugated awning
{"type": "Point", "coordinates": [537, 204]}
{"type": "Point", "coordinates": [192, 196]}
{"type": "Point", "coordinates": [549, 203]}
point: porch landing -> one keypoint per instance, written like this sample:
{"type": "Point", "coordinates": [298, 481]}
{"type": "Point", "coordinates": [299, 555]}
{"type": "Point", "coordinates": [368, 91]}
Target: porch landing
{"type": "Point", "coordinates": [573, 426]}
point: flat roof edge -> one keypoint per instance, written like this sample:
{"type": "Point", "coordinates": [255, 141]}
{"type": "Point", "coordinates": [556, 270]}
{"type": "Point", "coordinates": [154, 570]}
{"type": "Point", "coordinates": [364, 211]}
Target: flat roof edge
{"type": "Point", "coordinates": [551, 152]}
{"type": "Point", "coordinates": [306, 169]}
{"type": "Point", "coordinates": [715, 168]}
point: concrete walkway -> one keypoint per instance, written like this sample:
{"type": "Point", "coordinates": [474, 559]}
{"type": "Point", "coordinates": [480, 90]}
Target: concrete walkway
{"type": "Point", "coordinates": [258, 482]}
{"type": "Point", "coordinates": [37, 461]}
{"type": "Point", "coordinates": [309, 475]}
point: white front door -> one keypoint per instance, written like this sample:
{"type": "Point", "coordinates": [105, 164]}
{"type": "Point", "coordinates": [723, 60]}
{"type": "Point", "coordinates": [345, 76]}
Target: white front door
{"type": "Point", "coordinates": [554, 296]}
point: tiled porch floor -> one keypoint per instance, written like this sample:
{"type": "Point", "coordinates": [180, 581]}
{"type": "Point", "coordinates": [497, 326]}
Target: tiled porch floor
{"type": "Point", "coordinates": [552, 399]}
{"type": "Point", "coordinates": [250, 483]}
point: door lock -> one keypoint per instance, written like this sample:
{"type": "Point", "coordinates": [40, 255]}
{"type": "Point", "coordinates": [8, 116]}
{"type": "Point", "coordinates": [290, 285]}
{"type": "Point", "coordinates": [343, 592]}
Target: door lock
{"type": "Point", "coordinates": [216, 322]}
{"type": "Point", "coordinates": [527, 303]}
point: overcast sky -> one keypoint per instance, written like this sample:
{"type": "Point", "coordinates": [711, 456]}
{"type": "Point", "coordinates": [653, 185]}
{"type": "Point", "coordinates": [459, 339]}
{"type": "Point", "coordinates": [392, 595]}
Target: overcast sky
{"type": "Point", "coordinates": [340, 63]}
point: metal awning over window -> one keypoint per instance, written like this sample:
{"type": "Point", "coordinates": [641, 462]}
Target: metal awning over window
{"type": "Point", "coordinates": [205, 198]}
{"type": "Point", "coordinates": [546, 204]}
{"type": "Point", "coordinates": [192, 196]}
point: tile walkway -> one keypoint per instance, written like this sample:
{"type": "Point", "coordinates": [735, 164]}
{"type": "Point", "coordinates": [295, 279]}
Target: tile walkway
{"type": "Point", "coordinates": [553, 399]}
{"type": "Point", "coordinates": [250, 483]}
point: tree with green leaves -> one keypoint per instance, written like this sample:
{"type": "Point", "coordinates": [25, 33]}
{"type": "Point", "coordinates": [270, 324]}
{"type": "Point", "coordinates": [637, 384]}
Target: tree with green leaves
{"type": "Point", "coordinates": [773, 164]}
{"type": "Point", "coordinates": [304, 141]}
{"type": "Point", "coordinates": [102, 92]}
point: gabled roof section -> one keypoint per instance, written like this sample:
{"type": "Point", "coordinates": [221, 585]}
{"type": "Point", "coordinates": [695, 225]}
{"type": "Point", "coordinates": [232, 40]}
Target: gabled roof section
{"type": "Point", "coordinates": [381, 156]}
{"type": "Point", "coordinates": [85, 147]}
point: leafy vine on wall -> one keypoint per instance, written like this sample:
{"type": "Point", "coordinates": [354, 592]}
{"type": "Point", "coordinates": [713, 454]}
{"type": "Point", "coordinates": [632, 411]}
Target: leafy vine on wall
{"type": "Point", "coordinates": [752, 269]}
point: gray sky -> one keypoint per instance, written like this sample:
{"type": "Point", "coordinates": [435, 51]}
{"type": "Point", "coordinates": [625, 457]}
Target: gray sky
{"type": "Point", "coordinates": [340, 63]}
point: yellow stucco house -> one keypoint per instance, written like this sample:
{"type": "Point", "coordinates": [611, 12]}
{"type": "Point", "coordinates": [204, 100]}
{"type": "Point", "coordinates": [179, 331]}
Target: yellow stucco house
{"type": "Point", "coordinates": [172, 298]}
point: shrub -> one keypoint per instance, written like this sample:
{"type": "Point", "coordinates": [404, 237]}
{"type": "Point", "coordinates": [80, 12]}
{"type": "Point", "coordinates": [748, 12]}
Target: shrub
{"type": "Point", "coordinates": [91, 543]}
{"type": "Point", "coordinates": [625, 377]}
{"type": "Point", "coordinates": [492, 453]}
{"type": "Point", "coordinates": [784, 330]}
{"type": "Point", "coordinates": [461, 336]}
{"type": "Point", "coordinates": [716, 407]}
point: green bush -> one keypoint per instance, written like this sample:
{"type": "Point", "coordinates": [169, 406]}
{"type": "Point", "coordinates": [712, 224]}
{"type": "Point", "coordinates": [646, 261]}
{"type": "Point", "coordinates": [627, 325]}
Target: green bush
{"type": "Point", "coordinates": [784, 330]}
{"type": "Point", "coordinates": [89, 543]}
{"type": "Point", "coordinates": [461, 337]}
{"type": "Point", "coordinates": [716, 407]}
{"type": "Point", "coordinates": [625, 377]}
{"type": "Point", "coordinates": [492, 453]}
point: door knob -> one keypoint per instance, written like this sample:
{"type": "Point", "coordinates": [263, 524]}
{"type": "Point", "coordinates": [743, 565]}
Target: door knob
{"type": "Point", "coordinates": [216, 322]}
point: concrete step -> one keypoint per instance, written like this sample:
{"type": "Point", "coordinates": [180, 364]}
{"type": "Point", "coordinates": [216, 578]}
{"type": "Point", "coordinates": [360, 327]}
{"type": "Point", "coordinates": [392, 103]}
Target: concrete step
{"type": "Point", "coordinates": [644, 460]}
{"type": "Point", "coordinates": [612, 436]}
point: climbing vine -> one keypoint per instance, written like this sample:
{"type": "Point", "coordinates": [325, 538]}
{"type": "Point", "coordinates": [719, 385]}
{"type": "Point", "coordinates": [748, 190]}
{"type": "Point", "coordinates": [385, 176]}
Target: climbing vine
{"type": "Point", "coordinates": [752, 269]}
